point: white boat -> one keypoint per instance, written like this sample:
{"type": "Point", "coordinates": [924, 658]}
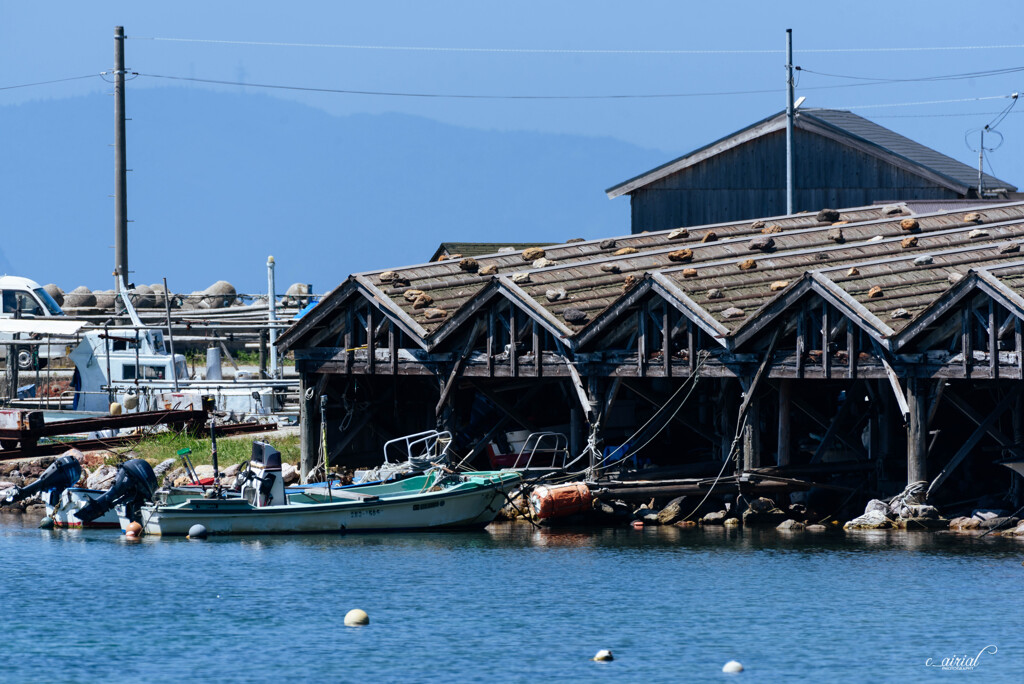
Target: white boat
{"type": "Point", "coordinates": [132, 366]}
{"type": "Point", "coordinates": [436, 500]}
{"type": "Point", "coordinates": [62, 508]}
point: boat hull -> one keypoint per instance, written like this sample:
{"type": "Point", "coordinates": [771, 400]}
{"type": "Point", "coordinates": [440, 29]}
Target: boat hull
{"type": "Point", "coordinates": [460, 507]}
{"type": "Point", "coordinates": [63, 511]}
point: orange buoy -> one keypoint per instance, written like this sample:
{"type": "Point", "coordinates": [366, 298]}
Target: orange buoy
{"type": "Point", "coordinates": [560, 500]}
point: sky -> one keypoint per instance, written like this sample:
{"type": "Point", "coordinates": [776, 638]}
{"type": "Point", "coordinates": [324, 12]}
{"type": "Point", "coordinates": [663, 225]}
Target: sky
{"type": "Point", "coordinates": [693, 73]}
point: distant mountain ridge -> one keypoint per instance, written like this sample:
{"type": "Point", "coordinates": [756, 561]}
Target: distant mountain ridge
{"type": "Point", "coordinates": [219, 181]}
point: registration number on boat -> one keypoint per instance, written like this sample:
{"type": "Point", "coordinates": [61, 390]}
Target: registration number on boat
{"type": "Point", "coordinates": [368, 512]}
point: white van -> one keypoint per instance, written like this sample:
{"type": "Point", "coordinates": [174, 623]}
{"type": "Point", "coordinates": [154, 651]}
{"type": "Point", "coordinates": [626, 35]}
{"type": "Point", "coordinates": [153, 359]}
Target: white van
{"type": "Point", "coordinates": [34, 302]}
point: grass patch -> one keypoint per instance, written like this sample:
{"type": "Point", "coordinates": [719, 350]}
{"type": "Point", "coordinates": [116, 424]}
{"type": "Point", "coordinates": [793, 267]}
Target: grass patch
{"type": "Point", "coordinates": [229, 450]}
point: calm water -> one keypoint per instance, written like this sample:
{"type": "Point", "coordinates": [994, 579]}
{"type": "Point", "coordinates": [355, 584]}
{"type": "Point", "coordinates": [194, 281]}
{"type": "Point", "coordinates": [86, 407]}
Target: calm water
{"type": "Point", "coordinates": [510, 604]}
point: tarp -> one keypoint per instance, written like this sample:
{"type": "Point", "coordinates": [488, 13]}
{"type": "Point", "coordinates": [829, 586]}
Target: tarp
{"type": "Point", "coordinates": [41, 326]}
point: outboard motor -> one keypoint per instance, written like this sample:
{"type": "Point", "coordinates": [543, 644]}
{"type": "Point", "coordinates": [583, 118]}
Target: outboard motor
{"type": "Point", "coordinates": [133, 486]}
{"type": "Point", "coordinates": [62, 473]}
{"type": "Point", "coordinates": [263, 483]}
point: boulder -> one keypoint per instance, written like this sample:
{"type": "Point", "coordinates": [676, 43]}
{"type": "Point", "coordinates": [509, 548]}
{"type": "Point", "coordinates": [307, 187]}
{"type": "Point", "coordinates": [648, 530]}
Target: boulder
{"type": "Point", "coordinates": [607, 244]}
{"type": "Point", "coordinates": [102, 478]}
{"type": "Point", "coordinates": [923, 523]}
{"type": "Point", "coordinates": [715, 518]}
{"type": "Point", "coordinates": [289, 473]}
{"type": "Point", "coordinates": [827, 216]}
{"type": "Point", "coordinates": [204, 471]}
{"type": "Point", "coordinates": [297, 294]}
{"type": "Point", "coordinates": [790, 525]}
{"type": "Point", "coordinates": [731, 522]}
{"type": "Point", "coordinates": [104, 299]}
{"type": "Point", "coordinates": [1001, 521]}
{"type": "Point", "coordinates": [231, 470]}
{"type": "Point", "coordinates": [80, 297]}
{"type": "Point", "coordinates": [674, 511]}
{"type": "Point", "coordinates": [56, 294]}
{"type": "Point", "coordinates": [872, 520]}
{"type": "Point", "coordinates": [143, 297]}
{"type": "Point", "coordinates": [964, 523]}
{"type": "Point", "coordinates": [490, 269]}
{"type": "Point", "coordinates": [219, 295]}
{"type": "Point", "coordinates": [531, 254]}
{"type": "Point", "coordinates": [877, 505]}
{"type": "Point", "coordinates": [988, 513]}
{"type": "Point", "coordinates": [163, 467]}
{"type": "Point", "coordinates": [816, 528]}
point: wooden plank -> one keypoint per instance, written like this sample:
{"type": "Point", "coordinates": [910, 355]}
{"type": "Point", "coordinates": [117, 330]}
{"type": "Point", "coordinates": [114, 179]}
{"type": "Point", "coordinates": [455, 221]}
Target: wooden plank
{"type": "Point", "coordinates": [965, 339]}
{"type": "Point", "coordinates": [513, 343]}
{"type": "Point", "coordinates": [491, 330]}
{"type": "Point", "coordinates": [666, 340]}
{"type": "Point", "coordinates": [393, 349]}
{"type": "Point", "coordinates": [349, 319]}
{"type": "Point", "coordinates": [371, 342]}
{"type": "Point", "coordinates": [537, 351]}
{"type": "Point", "coordinates": [894, 382]}
{"type": "Point", "coordinates": [801, 340]}
{"type": "Point", "coordinates": [993, 341]}
{"type": "Point", "coordinates": [826, 356]}
{"type": "Point", "coordinates": [985, 426]}
{"type": "Point", "coordinates": [852, 332]}
{"type": "Point", "coordinates": [577, 383]}
{"type": "Point", "coordinates": [474, 334]}
{"type": "Point", "coordinates": [691, 345]}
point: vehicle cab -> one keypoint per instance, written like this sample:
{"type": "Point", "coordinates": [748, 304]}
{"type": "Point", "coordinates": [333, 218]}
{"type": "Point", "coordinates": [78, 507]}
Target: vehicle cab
{"type": "Point", "coordinates": [26, 295]}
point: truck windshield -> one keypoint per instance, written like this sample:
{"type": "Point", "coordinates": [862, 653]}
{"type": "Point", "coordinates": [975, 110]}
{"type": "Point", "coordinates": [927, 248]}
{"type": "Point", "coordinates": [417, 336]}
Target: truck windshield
{"type": "Point", "coordinates": [52, 306]}
{"type": "Point", "coordinates": [21, 301]}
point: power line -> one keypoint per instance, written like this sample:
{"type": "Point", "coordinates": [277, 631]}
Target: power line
{"type": "Point", "coordinates": [458, 96]}
{"type": "Point", "coordinates": [925, 102]}
{"type": "Point", "coordinates": [56, 80]}
{"type": "Point", "coordinates": [566, 51]}
{"type": "Point", "coordinates": [947, 77]}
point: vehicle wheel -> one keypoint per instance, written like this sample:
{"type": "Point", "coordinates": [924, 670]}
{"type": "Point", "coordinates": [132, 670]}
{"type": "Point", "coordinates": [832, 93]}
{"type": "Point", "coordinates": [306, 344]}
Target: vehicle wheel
{"type": "Point", "coordinates": [8, 444]}
{"type": "Point", "coordinates": [25, 359]}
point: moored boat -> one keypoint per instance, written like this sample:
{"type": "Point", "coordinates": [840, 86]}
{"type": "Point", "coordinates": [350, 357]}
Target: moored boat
{"type": "Point", "coordinates": [437, 500]}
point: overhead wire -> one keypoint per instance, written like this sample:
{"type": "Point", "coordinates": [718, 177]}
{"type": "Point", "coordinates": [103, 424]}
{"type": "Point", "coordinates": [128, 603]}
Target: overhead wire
{"type": "Point", "coordinates": [56, 80]}
{"type": "Point", "coordinates": [569, 51]}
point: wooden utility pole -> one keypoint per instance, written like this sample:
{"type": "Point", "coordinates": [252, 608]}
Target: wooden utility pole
{"type": "Point", "coordinates": [120, 166]}
{"type": "Point", "coordinates": [789, 121]}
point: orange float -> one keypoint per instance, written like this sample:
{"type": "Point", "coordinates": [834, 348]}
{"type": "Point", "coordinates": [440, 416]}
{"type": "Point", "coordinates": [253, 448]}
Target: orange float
{"type": "Point", "coordinates": [557, 501]}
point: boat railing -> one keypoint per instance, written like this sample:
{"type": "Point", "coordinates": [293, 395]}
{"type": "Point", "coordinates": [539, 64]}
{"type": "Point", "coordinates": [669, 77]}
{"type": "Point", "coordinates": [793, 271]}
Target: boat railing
{"type": "Point", "coordinates": [553, 444]}
{"type": "Point", "coordinates": [429, 445]}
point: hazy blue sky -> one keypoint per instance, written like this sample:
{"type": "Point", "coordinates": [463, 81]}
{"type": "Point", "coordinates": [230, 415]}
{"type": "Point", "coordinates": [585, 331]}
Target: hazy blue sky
{"type": "Point", "coordinates": [596, 48]}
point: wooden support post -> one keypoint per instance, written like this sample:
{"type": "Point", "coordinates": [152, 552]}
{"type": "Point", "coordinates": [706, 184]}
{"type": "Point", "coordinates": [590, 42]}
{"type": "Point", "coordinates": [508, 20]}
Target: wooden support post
{"type": "Point", "coordinates": [1018, 344]}
{"type": "Point", "coordinates": [371, 347]}
{"type": "Point", "coordinates": [309, 427]}
{"type": "Point", "coordinates": [641, 342]}
{"type": "Point", "coordinates": [826, 358]}
{"type": "Point", "coordinates": [490, 342]}
{"type": "Point", "coordinates": [594, 419]}
{"type": "Point", "coordinates": [575, 429]}
{"type": "Point", "coordinates": [349, 319]}
{"type": "Point", "coordinates": [965, 339]}
{"type": "Point", "coordinates": [691, 345]}
{"type": "Point", "coordinates": [993, 341]}
{"type": "Point", "coordinates": [852, 332]}
{"type": "Point", "coordinates": [784, 444]}
{"type": "Point", "coordinates": [538, 355]}
{"type": "Point", "coordinates": [666, 340]}
{"type": "Point", "coordinates": [917, 430]}
{"type": "Point", "coordinates": [752, 432]}
{"type": "Point", "coordinates": [801, 340]}
{"type": "Point", "coordinates": [393, 347]}
{"type": "Point", "coordinates": [513, 353]}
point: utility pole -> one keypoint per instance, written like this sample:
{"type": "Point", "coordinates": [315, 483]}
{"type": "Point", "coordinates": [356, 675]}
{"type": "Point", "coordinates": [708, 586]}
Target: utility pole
{"type": "Point", "coordinates": [981, 163]}
{"type": "Point", "coordinates": [789, 121]}
{"type": "Point", "coordinates": [120, 166]}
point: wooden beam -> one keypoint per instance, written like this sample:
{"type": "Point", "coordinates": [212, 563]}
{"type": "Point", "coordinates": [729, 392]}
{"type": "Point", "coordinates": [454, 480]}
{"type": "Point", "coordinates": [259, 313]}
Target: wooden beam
{"type": "Point", "coordinates": [985, 426]}
{"type": "Point", "coordinates": [371, 342]}
{"type": "Point", "coordinates": [1018, 344]}
{"type": "Point", "coordinates": [965, 339]}
{"type": "Point", "coordinates": [749, 394]}
{"type": "Point", "coordinates": [701, 430]}
{"type": "Point", "coordinates": [478, 328]}
{"type": "Point", "coordinates": [966, 408]}
{"type": "Point", "coordinates": [691, 345]}
{"type": "Point", "coordinates": [348, 340]}
{"type": "Point", "coordinates": [801, 339]}
{"type": "Point", "coordinates": [894, 381]}
{"type": "Point", "coordinates": [917, 430]}
{"type": "Point", "coordinates": [513, 343]}
{"type": "Point", "coordinates": [833, 426]}
{"type": "Point", "coordinates": [641, 341]}
{"type": "Point", "coordinates": [993, 341]}
{"type": "Point", "coordinates": [537, 352]}
{"type": "Point", "coordinates": [785, 441]}
{"type": "Point", "coordinates": [393, 348]}
{"type": "Point", "coordinates": [813, 414]}
{"type": "Point", "coordinates": [852, 333]}
{"type": "Point", "coordinates": [505, 407]}
{"type": "Point", "coordinates": [826, 358]}
{"type": "Point", "coordinates": [577, 383]}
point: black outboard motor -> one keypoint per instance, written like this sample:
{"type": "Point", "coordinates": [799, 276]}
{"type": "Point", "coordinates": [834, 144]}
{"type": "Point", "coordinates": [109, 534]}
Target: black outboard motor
{"type": "Point", "coordinates": [62, 473]}
{"type": "Point", "coordinates": [133, 486]}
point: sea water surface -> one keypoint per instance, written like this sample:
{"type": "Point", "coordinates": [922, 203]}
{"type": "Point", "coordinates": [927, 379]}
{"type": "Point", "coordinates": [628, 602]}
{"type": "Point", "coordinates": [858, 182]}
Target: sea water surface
{"type": "Point", "coordinates": [509, 604]}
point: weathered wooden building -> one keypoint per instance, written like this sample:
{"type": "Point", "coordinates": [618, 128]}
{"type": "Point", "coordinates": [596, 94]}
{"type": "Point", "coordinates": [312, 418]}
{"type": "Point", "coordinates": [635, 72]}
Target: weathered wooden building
{"type": "Point", "coordinates": [868, 347]}
{"type": "Point", "coordinates": [840, 160]}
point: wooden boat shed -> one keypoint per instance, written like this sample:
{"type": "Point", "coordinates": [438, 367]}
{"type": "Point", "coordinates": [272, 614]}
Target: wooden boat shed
{"type": "Point", "coordinates": [872, 340]}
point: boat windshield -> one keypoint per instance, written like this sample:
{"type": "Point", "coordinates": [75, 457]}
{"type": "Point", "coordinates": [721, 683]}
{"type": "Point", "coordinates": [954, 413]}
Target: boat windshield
{"type": "Point", "coordinates": [52, 306]}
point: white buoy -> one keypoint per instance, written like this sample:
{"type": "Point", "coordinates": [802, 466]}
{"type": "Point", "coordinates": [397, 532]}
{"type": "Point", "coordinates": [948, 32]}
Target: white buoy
{"type": "Point", "coordinates": [197, 531]}
{"type": "Point", "coordinates": [356, 618]}
{"type": "Point", "coordinates": [604, 655]}
{"type": "Point", "coordinates": [732, 667]}
{"type": "Point", "coordinates": [46, 523]}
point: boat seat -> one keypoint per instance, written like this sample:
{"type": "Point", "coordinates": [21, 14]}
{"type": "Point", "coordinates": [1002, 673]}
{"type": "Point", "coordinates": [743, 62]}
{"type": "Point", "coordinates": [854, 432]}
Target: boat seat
{"type": "Point", "coordinates": [340, 494]}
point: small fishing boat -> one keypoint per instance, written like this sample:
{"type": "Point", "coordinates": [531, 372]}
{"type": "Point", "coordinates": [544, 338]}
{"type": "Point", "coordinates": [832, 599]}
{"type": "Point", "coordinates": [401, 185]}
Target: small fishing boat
{"type": "Point", "coordinates": [439, 499]}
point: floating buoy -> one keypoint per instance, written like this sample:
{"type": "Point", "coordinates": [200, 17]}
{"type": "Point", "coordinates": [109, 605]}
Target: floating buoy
{"type": "Point", "coordinates": [197, 531]}
{"type": "Point", "coordinates": [604, 655]}
{"type": "Point", "coordinates": [356, 618]}
{"type": "Point", "coordinates": [557, 501]}
{"type": "Point", "coordinates": [732, 667]}
{"type": "Point", "coordinates": [638, 524]}
{"type": "Point", "coordinates": [46, 523]}
{"type": "Point", "coordinates": [133, 530]}
{"type": "Point", "coordinates": [115, 409]}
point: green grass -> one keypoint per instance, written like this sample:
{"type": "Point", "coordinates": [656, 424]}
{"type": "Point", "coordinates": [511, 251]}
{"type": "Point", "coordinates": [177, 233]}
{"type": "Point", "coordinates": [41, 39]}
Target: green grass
{"type": "Point", "coordinates": [229, 450]}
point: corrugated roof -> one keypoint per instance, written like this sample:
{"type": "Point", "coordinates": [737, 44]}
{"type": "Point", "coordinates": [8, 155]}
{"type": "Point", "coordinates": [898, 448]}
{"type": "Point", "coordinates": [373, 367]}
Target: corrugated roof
{"type": "Point", "coordinates": [959, 176]}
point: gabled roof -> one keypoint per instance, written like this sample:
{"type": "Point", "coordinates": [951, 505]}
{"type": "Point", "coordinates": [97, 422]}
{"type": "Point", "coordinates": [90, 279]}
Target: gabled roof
{"type": "Point", "coordinates": [842, 126]}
